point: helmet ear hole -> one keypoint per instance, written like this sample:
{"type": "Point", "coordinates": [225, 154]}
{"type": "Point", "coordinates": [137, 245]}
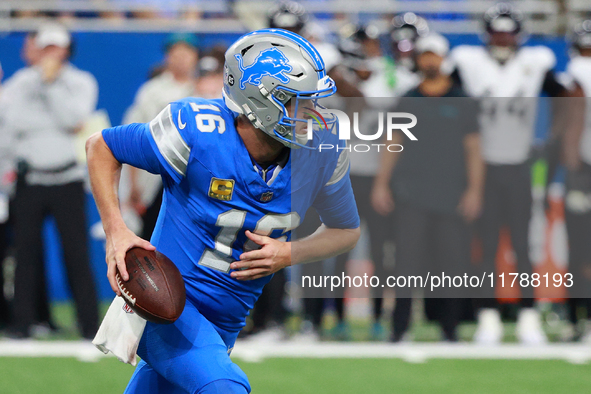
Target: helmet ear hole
{"type": "Point", "coordinates": [258, 104]}
{"type": "Point", "coordinates": [243, 51]}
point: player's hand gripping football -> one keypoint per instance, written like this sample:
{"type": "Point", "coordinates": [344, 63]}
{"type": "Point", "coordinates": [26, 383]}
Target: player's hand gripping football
{"type": "Point", "coordinates": [119, 241]}
{"type": "Point", "coordinates": [270, 258]}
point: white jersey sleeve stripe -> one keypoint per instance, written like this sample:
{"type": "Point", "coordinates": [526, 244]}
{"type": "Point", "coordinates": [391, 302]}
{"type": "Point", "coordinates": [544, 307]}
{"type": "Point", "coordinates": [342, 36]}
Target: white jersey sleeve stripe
{"type": "Point", "coordinates": [171, 144]}
{"type": "Point", "coordinates": [341, 170]}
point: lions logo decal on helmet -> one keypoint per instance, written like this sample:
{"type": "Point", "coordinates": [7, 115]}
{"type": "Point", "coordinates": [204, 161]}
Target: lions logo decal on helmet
{"type": "Point", "coordinates": [270, 62]}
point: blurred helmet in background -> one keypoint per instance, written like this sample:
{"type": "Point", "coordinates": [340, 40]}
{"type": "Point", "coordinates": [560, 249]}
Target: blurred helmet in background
{"type": "Point", "coordinates": [581, 36]}
{"type": "Point", "coordinates": [358, 43]}
{"type": "Point", "coordinates": [503, 25]}
{"type": "Point", "coordinates": [360, 32]}
{"type": "Point", "coordinates": [271, 76]}
{"type": "Point", "coordinates": [288, 15]}
{"type": "Point", "coordinates": [354, 56]}
{"type": "Point", "coordinates": [405, 29]}
{"type": "Point", "coordinates": [503, 18]}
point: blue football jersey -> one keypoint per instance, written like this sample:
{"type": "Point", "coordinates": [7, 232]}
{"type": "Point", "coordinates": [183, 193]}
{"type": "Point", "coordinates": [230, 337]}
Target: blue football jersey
{"type": "Point", "coordinates": [213, 194]}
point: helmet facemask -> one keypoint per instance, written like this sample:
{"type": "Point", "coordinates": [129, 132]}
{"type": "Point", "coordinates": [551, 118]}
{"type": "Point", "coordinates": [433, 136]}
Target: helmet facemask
{"type": "Point", "coordinates": [301, 124]}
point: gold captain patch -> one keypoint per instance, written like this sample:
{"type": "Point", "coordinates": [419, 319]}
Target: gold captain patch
{"type": "Point", "coordinates": [221, 189]}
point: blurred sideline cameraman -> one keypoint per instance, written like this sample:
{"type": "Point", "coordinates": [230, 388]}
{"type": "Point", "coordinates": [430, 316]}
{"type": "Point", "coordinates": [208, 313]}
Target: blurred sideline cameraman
{"type": "Point", "coordinates": [44, 106]}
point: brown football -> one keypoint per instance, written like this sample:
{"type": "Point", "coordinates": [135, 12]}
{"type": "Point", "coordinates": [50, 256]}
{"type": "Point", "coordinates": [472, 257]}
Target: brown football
{"type": "Point", "coordinates": [155, 289]}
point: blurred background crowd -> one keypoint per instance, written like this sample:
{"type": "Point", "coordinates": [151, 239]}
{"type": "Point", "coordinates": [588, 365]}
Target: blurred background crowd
{"type": "Point", "coordinates": [501, 178]}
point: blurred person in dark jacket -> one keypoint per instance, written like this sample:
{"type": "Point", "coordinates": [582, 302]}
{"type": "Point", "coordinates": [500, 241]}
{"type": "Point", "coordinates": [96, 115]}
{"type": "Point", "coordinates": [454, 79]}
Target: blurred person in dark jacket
{"type": "Point", "coordinates": [435, 185]}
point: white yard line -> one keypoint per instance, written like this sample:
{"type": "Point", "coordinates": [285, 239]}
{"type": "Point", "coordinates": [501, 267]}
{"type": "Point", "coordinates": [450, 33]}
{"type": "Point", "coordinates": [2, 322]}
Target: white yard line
{"type": "Point", "coordinates": [82, 350]}
{"type": "Point", "coordinates": [415, 352]}
{"type": "Point", "coordinates": [255, 352]}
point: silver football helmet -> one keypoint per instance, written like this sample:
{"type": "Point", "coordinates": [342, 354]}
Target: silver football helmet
{"type": "Point", "coordinates": [581, 35]}
{"type": "Point", "coordinates": [273, 76]}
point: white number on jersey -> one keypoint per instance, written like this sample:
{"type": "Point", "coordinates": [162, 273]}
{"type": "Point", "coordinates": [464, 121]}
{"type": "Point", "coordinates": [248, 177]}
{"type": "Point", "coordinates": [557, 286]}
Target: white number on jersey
{"type": "Point", "coordinates": [208, 123]}
{"type": "Point", "coordinates": [231, 223]}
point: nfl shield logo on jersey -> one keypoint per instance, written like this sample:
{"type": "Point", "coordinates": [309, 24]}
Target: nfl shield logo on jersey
{"type": "Point", "coordinates": [127, 308]}
{"type": "Point", "coordinates": [266, 196]}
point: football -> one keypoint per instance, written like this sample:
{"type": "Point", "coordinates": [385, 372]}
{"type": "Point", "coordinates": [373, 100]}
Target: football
{"type": "Point", "coordinates": [155, 289]}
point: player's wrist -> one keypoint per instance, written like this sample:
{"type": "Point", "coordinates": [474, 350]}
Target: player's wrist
{"type": "Point", "coordinates": [286, 255]}
{"type": "Point", "coordinates": [114, 225]}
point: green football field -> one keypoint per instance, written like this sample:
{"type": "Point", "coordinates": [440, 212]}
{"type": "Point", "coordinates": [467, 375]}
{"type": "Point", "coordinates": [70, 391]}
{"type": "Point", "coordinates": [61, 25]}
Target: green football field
{"type": "Point", "coordinates": [286, 375]}
{"type": "Point", "coordinates": [283, 375]}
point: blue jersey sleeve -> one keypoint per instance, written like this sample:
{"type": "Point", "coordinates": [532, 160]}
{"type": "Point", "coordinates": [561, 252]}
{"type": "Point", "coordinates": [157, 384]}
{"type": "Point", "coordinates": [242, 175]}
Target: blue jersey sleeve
{"type": "Point", "coordinates": [160, 147]}
{"type": "Point", "coordinates": [336, 204]}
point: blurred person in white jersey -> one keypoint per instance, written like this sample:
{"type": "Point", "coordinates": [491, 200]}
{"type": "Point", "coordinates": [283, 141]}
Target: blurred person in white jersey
{"type": "Point", "coordinates": [177, 79]}
{"type": "Point", "coordinates": [508, 76]}
{"type": "Point", "coordinates": [576, 155]}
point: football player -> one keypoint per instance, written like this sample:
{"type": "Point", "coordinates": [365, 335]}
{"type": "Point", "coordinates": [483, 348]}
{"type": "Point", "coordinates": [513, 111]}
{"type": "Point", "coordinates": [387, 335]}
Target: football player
{"type": "Point", "coordinates": [234, 187]}
{"type": "Point", "coordinates": [577, 159]}
{"type": "Point", "coordinates": [509, 76]}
